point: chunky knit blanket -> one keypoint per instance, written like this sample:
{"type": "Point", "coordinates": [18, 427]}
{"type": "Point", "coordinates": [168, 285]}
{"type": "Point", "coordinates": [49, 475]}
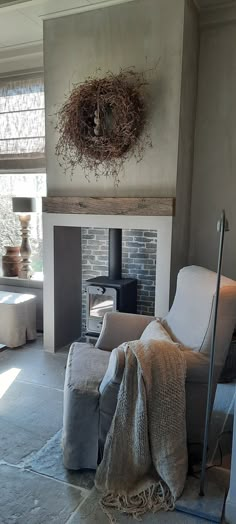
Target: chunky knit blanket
{"type": "Point", "coordinates": [144, 465]}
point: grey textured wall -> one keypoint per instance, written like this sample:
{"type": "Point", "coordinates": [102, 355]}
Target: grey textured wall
{"type": "Point", "coordinates": [138, 261]}
{"type": "Point", "coordinates": [143, 34]}
{"type": "Point", "coordinates": [214, 180]}
{"type": "Point", "coordinates": [146, 34]}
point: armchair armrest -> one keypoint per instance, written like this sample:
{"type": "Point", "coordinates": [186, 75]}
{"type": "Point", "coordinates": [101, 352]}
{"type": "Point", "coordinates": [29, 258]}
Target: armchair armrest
{"type": "Point", "coordinates": [198, 367]}
{"type": "Point", "coordinates": [121, 327]}
{"type": "Point", "coordinates": [114, 372]}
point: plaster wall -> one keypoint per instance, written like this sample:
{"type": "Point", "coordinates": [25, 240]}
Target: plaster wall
{"type": "Point", "coordinates": [214, 178]}
{"type": "Point", "coordinates": [147, 34]}
{"type": "Point", "coordinates": [181, 221]}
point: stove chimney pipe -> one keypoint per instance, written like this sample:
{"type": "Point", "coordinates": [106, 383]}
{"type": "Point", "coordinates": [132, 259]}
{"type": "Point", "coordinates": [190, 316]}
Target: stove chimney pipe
{"type": "Point", "coordinates": [115, 254]}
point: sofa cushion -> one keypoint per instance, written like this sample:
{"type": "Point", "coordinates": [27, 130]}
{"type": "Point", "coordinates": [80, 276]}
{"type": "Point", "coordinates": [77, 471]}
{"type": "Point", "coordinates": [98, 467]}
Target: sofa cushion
{"type": "Point", "coordinates": [155, 331]}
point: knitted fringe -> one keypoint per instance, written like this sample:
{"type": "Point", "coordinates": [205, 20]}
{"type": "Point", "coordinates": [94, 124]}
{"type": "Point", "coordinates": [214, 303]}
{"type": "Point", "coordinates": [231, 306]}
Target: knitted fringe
{"type": "Point", "coordinates": [155, 498]}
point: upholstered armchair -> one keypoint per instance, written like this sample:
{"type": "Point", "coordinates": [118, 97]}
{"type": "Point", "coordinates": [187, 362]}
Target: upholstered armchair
{"type": "Point", "coordinates": [94, 374]}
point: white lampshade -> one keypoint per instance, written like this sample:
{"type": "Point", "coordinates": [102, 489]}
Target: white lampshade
{"type": "Point", "coordinates": [24, 205]}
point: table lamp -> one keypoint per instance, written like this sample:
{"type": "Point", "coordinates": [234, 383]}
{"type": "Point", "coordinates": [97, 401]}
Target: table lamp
{"type": "Point", "coordinates": [24, 206]}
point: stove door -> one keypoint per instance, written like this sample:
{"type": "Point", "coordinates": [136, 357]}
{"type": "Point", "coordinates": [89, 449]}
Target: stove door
{"type": "Point", "coordinates": [100, 300]}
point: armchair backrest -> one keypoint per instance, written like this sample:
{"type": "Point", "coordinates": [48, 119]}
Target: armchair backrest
{"type": "Point", "coordinates": [190, 319]}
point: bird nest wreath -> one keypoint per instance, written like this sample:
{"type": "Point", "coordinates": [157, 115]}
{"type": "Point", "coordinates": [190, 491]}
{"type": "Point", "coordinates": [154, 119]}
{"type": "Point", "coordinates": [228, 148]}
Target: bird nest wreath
{"type": "Point", "coordinates": [102, 124]}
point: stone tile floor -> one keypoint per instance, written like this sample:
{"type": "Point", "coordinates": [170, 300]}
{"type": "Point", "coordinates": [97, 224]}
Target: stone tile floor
{"type": "Point", "coordinates": [35, 488]}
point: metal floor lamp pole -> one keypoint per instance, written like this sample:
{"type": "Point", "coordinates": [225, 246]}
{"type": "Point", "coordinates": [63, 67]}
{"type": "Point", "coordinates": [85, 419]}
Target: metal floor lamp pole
{"type": "Point", "coordinates": [222, 226]}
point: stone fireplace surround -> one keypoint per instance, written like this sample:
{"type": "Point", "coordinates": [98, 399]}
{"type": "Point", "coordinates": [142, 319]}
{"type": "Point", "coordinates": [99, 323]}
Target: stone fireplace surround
{"type": "Point", "coordinates": [63, 219]}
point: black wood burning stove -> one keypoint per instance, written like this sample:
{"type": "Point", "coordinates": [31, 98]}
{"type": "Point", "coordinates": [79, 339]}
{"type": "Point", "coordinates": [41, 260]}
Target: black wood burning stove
{"type": "Point", "coordinates": [112, 293]}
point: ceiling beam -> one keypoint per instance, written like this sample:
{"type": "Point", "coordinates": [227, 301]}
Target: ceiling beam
{"type": "Point", "coordinates": [30, 48]}
{"type": "Point", "coordinates": [55, 9]}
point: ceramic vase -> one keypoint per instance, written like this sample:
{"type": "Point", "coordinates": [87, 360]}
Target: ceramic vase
{"type": "Point", "coordinates": [11, 261]}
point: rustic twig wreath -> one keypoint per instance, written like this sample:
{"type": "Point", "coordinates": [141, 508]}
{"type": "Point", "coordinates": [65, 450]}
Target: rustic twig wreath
{"type": "Point", "coordinates": [102, 124]}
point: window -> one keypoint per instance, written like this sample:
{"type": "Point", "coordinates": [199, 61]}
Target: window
{"type": "Point", "coordinates": [22, 128]}
{"type": "Point", "coordinates": [22, 158]}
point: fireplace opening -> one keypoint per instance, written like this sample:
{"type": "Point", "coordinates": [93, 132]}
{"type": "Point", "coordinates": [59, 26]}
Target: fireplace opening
{"type": "Point", "coordinates": [139, 258]}
{"type": "Point", "coordinates": [112, 292]}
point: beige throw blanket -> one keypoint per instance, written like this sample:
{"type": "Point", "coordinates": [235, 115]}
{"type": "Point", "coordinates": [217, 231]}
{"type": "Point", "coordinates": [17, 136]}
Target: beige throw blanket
{"type": "Point", "coordinates": [144, 465]}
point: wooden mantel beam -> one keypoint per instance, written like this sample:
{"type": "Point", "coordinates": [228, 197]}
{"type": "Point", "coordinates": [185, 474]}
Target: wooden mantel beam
{"type": "Point", "coordinates": [162, 206]}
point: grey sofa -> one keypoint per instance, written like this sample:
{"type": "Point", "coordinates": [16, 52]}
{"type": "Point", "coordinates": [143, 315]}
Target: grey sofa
{"type": "Point", "coordinates": [94, 374]}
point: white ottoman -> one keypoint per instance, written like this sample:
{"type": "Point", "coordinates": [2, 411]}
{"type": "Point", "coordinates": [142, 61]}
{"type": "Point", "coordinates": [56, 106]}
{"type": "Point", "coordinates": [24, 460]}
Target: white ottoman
{"type": "Point", "coordinates": [17, 318]}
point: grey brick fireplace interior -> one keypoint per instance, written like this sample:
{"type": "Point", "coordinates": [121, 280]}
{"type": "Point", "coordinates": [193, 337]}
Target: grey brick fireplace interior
{"type": "Point", "coordinates": [138, 261]}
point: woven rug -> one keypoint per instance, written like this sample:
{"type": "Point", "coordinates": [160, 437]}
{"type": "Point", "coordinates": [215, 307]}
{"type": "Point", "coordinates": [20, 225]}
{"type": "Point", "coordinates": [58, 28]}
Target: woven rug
{"type": "Point", "coordinates": [49, 461]}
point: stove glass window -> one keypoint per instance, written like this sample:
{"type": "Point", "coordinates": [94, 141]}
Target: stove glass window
{"type": "Point", "coordinates": [100, 304]}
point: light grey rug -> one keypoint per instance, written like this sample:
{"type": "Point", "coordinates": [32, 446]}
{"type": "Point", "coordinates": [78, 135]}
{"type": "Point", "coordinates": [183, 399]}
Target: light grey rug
{"type": "Point", "coordinates": [49, 461]}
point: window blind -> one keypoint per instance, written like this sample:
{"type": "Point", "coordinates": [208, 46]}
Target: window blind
{"type": "Point", "coordinates": [22, 123]}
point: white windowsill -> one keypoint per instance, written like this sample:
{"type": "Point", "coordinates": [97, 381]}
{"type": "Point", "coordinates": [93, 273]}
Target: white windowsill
{"type": "Point", "coordinates": [35, 282]}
